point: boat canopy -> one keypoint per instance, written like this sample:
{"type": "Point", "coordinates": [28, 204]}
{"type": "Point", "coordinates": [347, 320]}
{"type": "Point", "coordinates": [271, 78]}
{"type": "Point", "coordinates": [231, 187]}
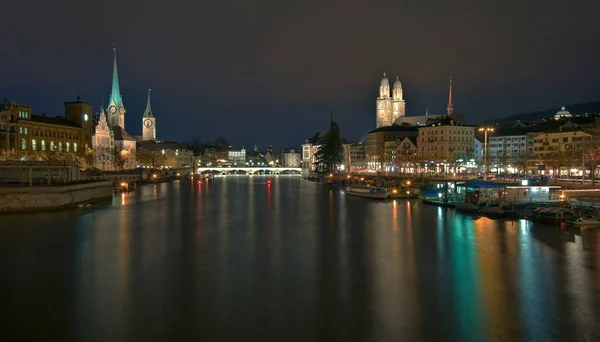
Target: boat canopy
{"type": "Point", "coordinates": [432, 192]}
{"type": "Point", "coordinates": [478, 184]}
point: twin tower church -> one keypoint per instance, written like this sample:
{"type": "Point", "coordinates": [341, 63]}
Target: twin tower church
{"type": "Point", "coordinates": [110, 134]}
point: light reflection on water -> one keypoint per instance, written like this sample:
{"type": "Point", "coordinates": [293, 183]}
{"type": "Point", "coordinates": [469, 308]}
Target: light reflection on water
{"type": "Point", "coordinates": [236, 258]}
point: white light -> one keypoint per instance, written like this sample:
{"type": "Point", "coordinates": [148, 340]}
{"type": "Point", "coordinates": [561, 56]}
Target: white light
{"type": "Point", "coordinates": [524, 182]}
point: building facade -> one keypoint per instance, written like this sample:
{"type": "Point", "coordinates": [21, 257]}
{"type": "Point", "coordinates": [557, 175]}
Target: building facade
{"type": "Point", "coordinates": [376, 155]}
{"type": "Point", "coordinates": [25, 136]}
{"type": "Point", "coordinates": [237, 157]}
{"type": "Point", "coordinates": [403, 154]}
{"type": "Point", "coordinates": [291, 157]}
{"type": "Point", "coordinates": [354, 157]}
{"type": "Point", "coordinates": [446, 141]}
{"type": "Point", "coordinates": [103, 144]}
{"type": "Point", "coordinates": [388, 109]}
{"type": "Point", "coordinates": [308, 157]}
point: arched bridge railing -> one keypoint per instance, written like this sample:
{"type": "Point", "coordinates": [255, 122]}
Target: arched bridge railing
{"type": "Point", "coordinates": [250, 170]}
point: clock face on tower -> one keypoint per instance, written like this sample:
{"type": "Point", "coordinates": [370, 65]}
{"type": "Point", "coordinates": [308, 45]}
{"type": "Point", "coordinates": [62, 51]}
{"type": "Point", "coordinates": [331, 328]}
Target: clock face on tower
{"type": "Point", "coordinates": [112, 109]}
{"type": "Point", "coordinates": [121, 110]}
{"type": "Point", "coordinates": [147, 123]}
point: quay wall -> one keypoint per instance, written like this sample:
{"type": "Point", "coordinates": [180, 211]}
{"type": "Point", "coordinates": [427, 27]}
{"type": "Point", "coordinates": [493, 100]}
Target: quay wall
{"type": "Point", "coordinates": [38, 198]}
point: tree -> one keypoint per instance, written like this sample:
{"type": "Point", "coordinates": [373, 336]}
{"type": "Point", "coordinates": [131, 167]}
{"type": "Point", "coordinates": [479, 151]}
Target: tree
{"type": "Point", "coordinates": [330, 154]}
{"type": "Point", "coordinates": [591, 158]}
{"type": "Point", "coordinates": [150, 158]}
{"type": "Point", "coordinates": [49, 156]}
{"type": "Point", "coordinates": [120, 157]}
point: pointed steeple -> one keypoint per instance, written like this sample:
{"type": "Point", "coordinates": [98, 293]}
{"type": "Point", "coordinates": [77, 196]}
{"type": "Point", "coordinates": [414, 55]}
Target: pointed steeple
{"type": "Point", "coordinates": [115, 93]}
{"type": "Point", "coordinates": [148, 113]}
{"type": "Point", "coordinates": [450, 106]}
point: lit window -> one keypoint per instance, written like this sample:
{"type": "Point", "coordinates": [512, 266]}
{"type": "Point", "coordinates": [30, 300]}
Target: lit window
{"type": "Point", "coordinates": [52, 146]}
{"type": "Point", "coordinates": [20, 130]}
{"type": "Point", "coordinates": [74, 147]}
{"type": "Point", "coordinates": [68, 147]}
{"type": "Point", "coordinates": [33, 144]}
{"type": "Point", "coordinates": [43, 145]}
{"type": "Point", "coordinates": [60, 146]}
{"type": "Point", "coordinates": [25, 130]}
{"type": "Point", "coordinates": [23, 144]}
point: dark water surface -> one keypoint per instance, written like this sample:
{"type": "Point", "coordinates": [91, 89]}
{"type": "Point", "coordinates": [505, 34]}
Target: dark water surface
{"type": "Point", "coordinates": [239, 260]}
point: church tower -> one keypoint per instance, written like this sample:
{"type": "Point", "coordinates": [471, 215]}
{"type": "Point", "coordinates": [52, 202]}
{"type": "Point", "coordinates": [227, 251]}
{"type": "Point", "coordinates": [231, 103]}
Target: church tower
{"type": "Point", "coordinates": [398, 105]}
{"type": "Point", "coordinates": [450, 108]}
{"type": "Point", "coordinates": [116, 110]}
{"type": "Point", "coordinates": [384, 104]}
{"type": "Point", "coordinates": [148, 122]}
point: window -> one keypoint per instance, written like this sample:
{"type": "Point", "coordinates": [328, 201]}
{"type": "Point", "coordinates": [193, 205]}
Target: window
{"type": "Point", "coordinates": [33, 144]}
{"type": "Point", "coordinates": [68, 146]}
{"type": "Point", "coordinates": [43, 145]}
{"type": "Point", "coordinates": [74, 147]}
{"type": "Point", "coordinates": [20, 130]}
{"type": "Point", "coordinates": [52, 146]}
{"type": "Point", "coordinates": [60, 146]}
{"type": "Point", "coordinates": [23, 144]}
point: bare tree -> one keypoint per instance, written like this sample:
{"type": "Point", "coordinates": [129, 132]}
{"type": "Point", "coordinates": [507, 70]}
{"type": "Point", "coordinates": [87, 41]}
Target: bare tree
{"type": "Point", "coordinates": [150, 158]}
{"type": "Point", "coordinates": [591, 158]}
{"type": "Point", "coordinates": [50, 157]}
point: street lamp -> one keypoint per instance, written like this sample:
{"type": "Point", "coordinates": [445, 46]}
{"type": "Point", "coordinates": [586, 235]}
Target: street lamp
{"type": "Point", "coordinates": [485, 152]}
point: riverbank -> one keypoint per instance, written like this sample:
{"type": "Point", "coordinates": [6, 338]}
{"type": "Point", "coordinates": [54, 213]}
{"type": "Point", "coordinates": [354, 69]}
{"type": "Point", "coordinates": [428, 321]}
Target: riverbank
{"type": "Point", "coordinates": [41, 198]}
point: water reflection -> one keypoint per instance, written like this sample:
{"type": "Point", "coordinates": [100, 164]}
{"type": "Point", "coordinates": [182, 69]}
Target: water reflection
{"type": "Point", "coordinates": [237, 259]}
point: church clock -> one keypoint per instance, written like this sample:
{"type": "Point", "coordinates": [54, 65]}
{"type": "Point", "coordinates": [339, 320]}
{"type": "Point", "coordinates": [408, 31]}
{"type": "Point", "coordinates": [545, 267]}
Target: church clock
{"type": "Point", "coordinates": [112, 109]}
{"type": "Point", "coordinates": [148, 123]}
{"type": "Point", "coordinates": [121, 110]}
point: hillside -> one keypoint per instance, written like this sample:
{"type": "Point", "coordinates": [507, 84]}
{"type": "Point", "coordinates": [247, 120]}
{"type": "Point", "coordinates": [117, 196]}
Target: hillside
{"type": "Point", "coordinates": [575, 109]}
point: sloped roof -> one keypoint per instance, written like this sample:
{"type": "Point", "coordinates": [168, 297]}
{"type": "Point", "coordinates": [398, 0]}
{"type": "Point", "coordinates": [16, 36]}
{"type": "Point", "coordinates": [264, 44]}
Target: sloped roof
{"type": "Point", "coordinates": [121, 134]}
{"type": "Point", "coordinates": [395, 128]}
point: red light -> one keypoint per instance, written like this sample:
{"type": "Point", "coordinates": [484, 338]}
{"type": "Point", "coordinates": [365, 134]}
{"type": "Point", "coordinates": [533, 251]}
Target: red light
{"type": "Point", "coordinates": [269, 182]}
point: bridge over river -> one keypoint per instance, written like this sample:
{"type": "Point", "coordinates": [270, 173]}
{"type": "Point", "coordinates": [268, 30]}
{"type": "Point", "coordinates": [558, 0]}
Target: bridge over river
{"type": "Point", "coordinates": [250, 170]}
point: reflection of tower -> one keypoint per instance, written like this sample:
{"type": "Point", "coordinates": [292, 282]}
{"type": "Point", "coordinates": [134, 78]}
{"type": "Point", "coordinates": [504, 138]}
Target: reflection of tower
{"type": "Point", "coordinates": [398, 105]}
{"type": "Point", "coordinates": [148, 122]}
{"type": "Point", "coordinates": [450, 106]}
{"type": "Point", "coordinates": [116, 110]}
{"type": "Point", "coordinates": [384, 104]}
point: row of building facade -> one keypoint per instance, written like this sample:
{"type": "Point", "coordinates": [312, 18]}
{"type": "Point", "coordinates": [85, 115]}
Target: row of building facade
{"type": "Point", "coordinates": [91, 140]}
{"type": "Point", "coordinates": [443, 143]}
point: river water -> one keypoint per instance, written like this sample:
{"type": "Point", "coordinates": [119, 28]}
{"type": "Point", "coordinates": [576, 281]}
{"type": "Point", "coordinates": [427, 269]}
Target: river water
{"type": "Point", "coordinates": [237, 259]}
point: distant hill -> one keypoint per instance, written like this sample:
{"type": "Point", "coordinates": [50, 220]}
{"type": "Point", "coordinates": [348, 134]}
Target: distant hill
{"type": "Point", "coordinates": [574, 109]}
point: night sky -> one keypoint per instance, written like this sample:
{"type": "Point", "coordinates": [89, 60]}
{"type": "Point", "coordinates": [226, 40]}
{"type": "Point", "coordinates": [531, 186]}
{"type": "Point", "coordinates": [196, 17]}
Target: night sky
{"type": "Point", "coordinates": [267, 71]}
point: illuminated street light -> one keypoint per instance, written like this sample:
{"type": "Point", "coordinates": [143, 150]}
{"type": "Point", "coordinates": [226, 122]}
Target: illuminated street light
{"type": "Point", "coordinates": [485, 152]}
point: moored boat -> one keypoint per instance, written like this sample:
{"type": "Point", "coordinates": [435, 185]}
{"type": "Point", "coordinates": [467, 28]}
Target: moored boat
{"type": "Point", "coordinates": [587, 221]}
{"type": "Point", "coordinates": [368, 192]}
{"type": "Point", "coordinates": [467, 208]}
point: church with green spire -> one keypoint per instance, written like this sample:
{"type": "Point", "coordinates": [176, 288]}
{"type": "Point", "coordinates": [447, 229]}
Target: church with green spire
{"type": "Point", "coordinates": [114, 127]}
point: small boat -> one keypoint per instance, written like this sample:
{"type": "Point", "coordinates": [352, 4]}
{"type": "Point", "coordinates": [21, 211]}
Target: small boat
{"type": "Point", "coordinates": [368, 192]}
{"type": "Point", "coordinates": [587, 221]}
{"type": "Point", "coordinates": [467, 208]}
{"type": "Point", "coordinates": [492, 210]}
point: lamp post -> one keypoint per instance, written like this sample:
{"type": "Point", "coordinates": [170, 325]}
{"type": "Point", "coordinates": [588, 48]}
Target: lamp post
{"type": "Point", "coordinates": [485, 151]}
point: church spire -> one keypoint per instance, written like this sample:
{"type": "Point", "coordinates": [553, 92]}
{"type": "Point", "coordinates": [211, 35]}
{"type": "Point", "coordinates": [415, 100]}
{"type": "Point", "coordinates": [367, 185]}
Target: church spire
{"type": "Point", "coordinates": [450, 106]}
{"type": "Point", "coordinates": [115, 94]}
{"type": "Point", "coordinates": [148, 113]}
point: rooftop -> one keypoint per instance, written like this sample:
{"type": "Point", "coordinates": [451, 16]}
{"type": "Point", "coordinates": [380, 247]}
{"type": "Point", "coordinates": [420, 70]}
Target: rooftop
{"type": "Point", "coordinates": [57, 120]}
{"type": "Point", "coordinates": [395, 128]}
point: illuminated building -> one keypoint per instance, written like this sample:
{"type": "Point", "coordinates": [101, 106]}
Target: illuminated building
{"type": "Point", "coordinates": [389, 108]}
{"type": "Point", "coordinates": [148, 122]}
{"type": "Point", "coordinates": [27, 136]}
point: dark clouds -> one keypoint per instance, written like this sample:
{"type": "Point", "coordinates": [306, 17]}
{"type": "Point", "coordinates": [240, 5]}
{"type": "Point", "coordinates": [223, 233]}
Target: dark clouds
{"type": "Point", "coordinates": [267, 71]}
